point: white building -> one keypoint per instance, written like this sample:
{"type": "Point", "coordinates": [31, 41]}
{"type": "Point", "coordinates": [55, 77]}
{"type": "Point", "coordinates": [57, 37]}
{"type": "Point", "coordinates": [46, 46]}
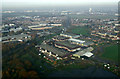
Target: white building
{"type": "Point", "coordinates": [76, 40]}
{"type": "Point", "coordinates": [16, 30]}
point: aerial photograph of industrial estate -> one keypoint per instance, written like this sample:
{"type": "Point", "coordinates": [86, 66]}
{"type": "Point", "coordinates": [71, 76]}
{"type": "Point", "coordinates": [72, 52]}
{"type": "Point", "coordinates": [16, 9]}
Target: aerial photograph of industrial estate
{"type": "Point", "coordinates": [60, 39]}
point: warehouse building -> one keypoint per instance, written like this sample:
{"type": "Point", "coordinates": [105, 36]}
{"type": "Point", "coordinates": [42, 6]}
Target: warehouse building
{"type": "Point", "coordinates": [43, 26]}
{"type": "Point", "coordinates": [67, 46]}
{"type": "Point", "coordinates": [60, 38]}
{"type": "Point", "coordinates": [20, 38]}
{"type": "Point", "coordinates": [53, 51]}
{"type": "Point", "coordinates": [81, 42]}
{"type": "Point", "coordinates": [86, 52]}
{"type": "Point", "coordinates": [76, 40]}
{"type": "Point", "coordinates": [70, 35]}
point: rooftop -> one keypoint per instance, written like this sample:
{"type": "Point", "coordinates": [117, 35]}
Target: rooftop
{"type": "Point", "coordinates": [67, 44]}
{"type": "Point", "coordinates": [15, 36]}
{"type": "Point", "coordinates": [60, 37]}
{"type": "Point", "coordinates": [55, 50]}
{"type": "Point", "coordinates": [76, 40]}
{"type": "Point", "coordinates": [88, 54]}
{"type": "Point", "coordinates": [81, 53]}
{"type": "Point", "coordinates": [70, 34]}
{"type": "Point", "coordinates": [85, 42]}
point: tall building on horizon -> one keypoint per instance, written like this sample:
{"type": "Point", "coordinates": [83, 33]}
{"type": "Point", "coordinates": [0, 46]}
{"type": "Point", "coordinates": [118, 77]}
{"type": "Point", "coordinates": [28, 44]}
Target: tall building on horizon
{"type": "Point", "coordinates": [90, 10]}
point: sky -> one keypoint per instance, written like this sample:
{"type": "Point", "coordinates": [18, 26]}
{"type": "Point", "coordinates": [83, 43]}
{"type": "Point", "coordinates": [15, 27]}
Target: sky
{"type": "Point", "coordinates": [12, 3]}
{"type": "Point", "coordinates": [61, 1]}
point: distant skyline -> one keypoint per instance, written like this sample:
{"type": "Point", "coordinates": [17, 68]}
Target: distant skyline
{"type": "Point", "coordinates": [22, 3]}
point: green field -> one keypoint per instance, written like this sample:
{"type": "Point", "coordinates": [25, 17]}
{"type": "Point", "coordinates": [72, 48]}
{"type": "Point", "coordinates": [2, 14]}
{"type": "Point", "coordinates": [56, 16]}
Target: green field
{"type": "Point", "coordinates": [81, 30]}
{"type": "Point", "coordinates": [111, 53]}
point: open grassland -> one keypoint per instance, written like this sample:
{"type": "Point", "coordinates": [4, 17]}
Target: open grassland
{"type": "Point", "coordinates": [80, 30]}
{"type": "Point", "coordinates": [111, 53]}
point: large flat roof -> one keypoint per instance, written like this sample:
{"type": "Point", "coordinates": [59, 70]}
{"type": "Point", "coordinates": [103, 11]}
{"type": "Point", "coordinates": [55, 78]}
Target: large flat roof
{"type": "Point", "coordinates": [55, 50]}
{"type": "Point", "coordinates": [88, 54]}
{"type": "Point", "coordinates": [50, 57]}
{"type": "Point", "coordinates": [15, 36]}
{"type": "Point", "coordinates": [60, 37]}
{"type": "Point", "coordinates": [88, 43]}
{"type": "Point", "coordinates": [85, 42]}
{"type": "Point", "coordinates": [67, 44]}
{"type": "Point", "coordinates": [76, 40]}
{"type": "Point", "coordinates": [81, 53]}
{"type": "Point", "coordinates": [71, 34]}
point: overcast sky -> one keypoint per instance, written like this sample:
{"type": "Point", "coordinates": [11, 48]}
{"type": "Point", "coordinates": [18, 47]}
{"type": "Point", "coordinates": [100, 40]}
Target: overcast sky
{"type": "Point", "coordinates": [10, 3]}
{"type": "Point", "coordinates": [61, 1]}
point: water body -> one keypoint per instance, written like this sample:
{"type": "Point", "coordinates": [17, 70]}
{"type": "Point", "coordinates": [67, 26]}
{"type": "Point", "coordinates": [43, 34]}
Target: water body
{"type": "Point", "coordinates": [91, 72]}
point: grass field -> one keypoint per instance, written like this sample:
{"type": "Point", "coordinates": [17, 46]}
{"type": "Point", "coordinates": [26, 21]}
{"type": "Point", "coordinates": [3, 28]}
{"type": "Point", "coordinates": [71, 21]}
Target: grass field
{"type": "Point", "coordinates": [81, 30]}
{"type": "Point", "coordinates": [111, 53]}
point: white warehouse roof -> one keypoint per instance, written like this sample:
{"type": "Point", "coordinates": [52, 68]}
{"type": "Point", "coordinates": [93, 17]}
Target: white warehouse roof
{"type": "Point", "coordinates": [76, 40]}
{"type": "Point", "coordinates": [88, 54]}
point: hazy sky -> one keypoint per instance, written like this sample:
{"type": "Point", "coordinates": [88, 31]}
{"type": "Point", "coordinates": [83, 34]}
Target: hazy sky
{"type": "Point", "coordinates": [61, 1]}
{"type": "Point", "coordinates": [11, 3]}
